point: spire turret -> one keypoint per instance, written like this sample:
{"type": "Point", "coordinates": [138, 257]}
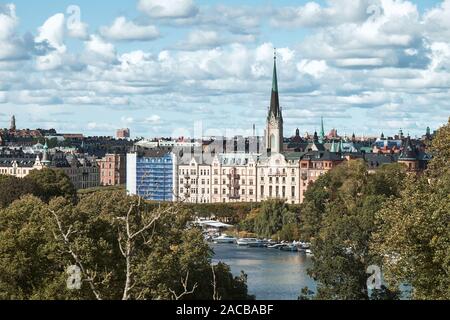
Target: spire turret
{"type": "Point", "coordinates": [275, 110]}
{"type": "Point", "coordinates": [322, 131]}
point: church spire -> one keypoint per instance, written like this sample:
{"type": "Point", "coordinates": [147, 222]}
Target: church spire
{"type": "Point", "coordinates": [275, 110]}
{"type": "Point", "coordinates": [274, 126]}
{"type": "Point", "coordinates": [322, 132]}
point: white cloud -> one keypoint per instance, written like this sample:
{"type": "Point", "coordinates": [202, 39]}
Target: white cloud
{"type": "Point", "coordinates": [204, 39]}
{"type": "Point", "coordinates": [315, 68]}
{"type": "Point", "coordinates": [153, 119]}
{"type": "Point", "coordinates": [314, 15]}
{"type": "Point", "coordinates": [52, 31]}
{"type": "Point", "coordinates": [168, 8]}
{"type": "Point", "coordinates": [78, 30]}
{"type": "Point", "coordinates": [98, 51]}
{"type": "Point", "coordinates": [396, 64]}
{"type": "Point", "coordinates": [51, 34]}
{"type": "Point", "coordinates": [437, 21]}
{"type": "Point", "coordinates": [11, 47]}
{"type": "Point", "coordinates": [123, 30]}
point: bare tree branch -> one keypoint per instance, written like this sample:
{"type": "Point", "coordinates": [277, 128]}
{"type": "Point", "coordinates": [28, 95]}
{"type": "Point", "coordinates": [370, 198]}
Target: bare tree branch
{"type": "Point", "coordinates": [186, 291]}
{"type": "Point", "coordinates": [214, 283]}
{"type": "Point", "coordinates": [65, 236]}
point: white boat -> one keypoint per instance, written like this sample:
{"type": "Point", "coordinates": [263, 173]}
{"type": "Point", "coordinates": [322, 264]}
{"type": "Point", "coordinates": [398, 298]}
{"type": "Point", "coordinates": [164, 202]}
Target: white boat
{"type": "Point", "coordinates": [289, 247]}
{"type": "Point", "coordinates": [246, 241]}
{"type": "Point", "coordinates": [224, 239]}
{"type": "Point", "coordinates": [276, 246]}
{"type": "Point", "coordinates": [309, 252]}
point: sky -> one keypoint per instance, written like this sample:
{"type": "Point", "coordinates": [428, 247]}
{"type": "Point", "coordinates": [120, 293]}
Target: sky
{"type": "Point", "coordinates": [180, 67]}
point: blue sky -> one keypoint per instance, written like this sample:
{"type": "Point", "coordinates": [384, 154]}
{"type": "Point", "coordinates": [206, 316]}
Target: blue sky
{"type": "Point", "coordinates": [159, 67]}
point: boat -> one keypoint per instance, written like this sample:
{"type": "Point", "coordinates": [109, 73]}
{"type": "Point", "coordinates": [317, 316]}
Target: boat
{"type": "Point", "coordinates": [247, 241]}
{"type": "Point", "coordinates": [303, 245]}
{"type": "Point", "coordinates": [224, 239]}
{"type": "Point", "coordinates": [309, 252]}
{"type": "Point", "coordinates": [276, 246]}
{"type": "Point", "coordinates": [289, 247]}
{"type": "Point", "coordinates": [258, 244]}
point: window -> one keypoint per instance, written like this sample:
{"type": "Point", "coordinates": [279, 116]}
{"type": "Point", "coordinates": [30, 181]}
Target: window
{"type": "Point", "coordinates": [293, 192]}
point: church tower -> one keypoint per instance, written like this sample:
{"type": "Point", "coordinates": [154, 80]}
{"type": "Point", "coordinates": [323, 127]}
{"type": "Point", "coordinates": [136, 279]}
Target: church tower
{"type": "Point", "coordinates": [274, 126]}
{"type": "Point", "coordinates": [12, 126]}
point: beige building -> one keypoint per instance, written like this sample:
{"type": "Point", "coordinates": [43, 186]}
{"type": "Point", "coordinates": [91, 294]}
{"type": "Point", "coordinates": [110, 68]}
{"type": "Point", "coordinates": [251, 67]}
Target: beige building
{"type": "Point", "coordinates": [83, 173]}
{"type": "Point", "coordinates": [194, 181]}
{"type": "Point", "coordinates": [279, 177]}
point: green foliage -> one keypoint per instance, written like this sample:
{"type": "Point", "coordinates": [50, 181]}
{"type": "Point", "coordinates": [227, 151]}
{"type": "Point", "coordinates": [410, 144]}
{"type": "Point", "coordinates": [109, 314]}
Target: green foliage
{"type": "Point", "coordinates": [339, 217]}
{"type": "Point", "coordinates": [53, 183]}
{"type": "Point", "coordinates": [12, 188]}
{"type": "Point", "coordinates": [413, 235]}
{"type": "Point", "coordinates": [440, 150]}
{"type": "Point", "coordinates": [274, 219]}
{"type": "Point", "coordinates": [34, 257]}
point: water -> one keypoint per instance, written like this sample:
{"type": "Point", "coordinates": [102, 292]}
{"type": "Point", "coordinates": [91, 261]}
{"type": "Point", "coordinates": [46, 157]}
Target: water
{"type": "Point", "coordinates": [272, 274]}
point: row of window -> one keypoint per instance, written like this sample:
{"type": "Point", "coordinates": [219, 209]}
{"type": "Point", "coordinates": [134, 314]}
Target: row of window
{"type": "Point", "coordinates": [277, 192]}
{"type": "Point", "coordinates": [15, 171]}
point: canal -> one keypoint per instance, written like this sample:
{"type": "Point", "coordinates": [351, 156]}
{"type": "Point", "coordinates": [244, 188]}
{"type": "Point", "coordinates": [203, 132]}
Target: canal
{"type": "Point", "coordinates": [272, 274]}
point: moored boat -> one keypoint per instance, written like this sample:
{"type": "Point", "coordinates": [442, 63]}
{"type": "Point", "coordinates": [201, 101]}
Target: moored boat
{"type": "Point", "coordinates": [247, 241]}
{"type": "Point", "coordinates": [289, 247]}
{"type": "Point", "coordinates": [224, 239]}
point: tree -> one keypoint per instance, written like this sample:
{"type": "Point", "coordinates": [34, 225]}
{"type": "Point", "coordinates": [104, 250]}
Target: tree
{"type": "Point", "coordinates": [440, 151]}
{"type": "Point", "coordinates": [414, 230]}
{"type": "Point", "coordinates": [12, 188]}
{"type": "Point", "coordinates": [124, 247]}
{"type": "Point", "coordinates": [340, 220]}
{"type": "Point", "coordinates": [272, 217]}
{"type": "Point", "coordinates": [53, 183]}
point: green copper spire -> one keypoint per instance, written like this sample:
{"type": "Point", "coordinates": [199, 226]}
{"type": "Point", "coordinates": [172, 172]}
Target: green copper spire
{"type": "Point", "coordinates": [275, 77]}
{"type": "Point", "coordinates": [275, 110]}
{"type": "Point", "coordinates": [322, 132]}
{"type": "Point", "coordinates": [333, 147]}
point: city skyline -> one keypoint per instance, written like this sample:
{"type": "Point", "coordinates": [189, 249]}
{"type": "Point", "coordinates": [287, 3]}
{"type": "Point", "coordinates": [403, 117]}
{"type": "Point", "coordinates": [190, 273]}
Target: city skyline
{"type": "Point", "coordinates": [157, 66]}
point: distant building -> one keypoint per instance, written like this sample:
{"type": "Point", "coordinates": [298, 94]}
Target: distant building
{"type": "Point", "coordinates": [151, 174]}
{"type": "Point", "coordinates": [412, 157]}
{"type": "Point", "coordinates": [82, 171]}
{"type": "Point", "coordinates": [113, 169]}
{"type": "Point", "coordinates": [73, 136]}
{"type": "Point", "coordinates": [123, 133]}
{"type": "Point", "coordinates": [13, 123]}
